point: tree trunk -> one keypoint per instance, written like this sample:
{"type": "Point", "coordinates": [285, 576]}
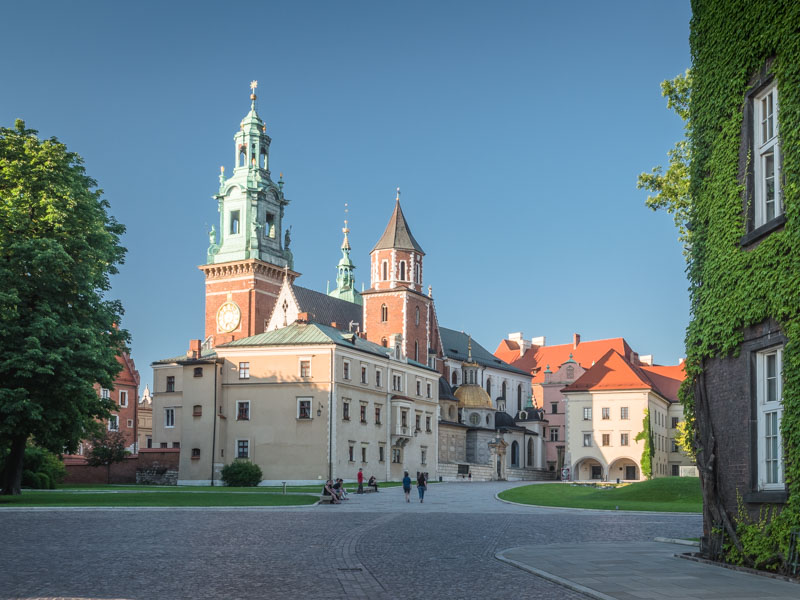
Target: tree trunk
{"type": "Point", "coordinates": [108, 472]}
{"type": "Point", "coordinates": [12, 473]}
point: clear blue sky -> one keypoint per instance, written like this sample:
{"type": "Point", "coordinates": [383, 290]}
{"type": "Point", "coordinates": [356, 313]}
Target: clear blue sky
{"type": "Point", "coordinates": [515, 130]}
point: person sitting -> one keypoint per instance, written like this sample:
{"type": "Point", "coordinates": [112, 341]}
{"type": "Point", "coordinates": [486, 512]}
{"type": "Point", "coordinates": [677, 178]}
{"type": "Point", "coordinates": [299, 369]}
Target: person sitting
{"type": "Point", "coordinates": [373, 483]}
{"type": "Point", "coordinates": [338, 488]}
{"type": "Point", "coordinates": [328, 490]}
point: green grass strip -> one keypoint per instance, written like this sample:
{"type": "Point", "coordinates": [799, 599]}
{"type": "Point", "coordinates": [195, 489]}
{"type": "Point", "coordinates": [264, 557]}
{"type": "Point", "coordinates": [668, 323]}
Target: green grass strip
{"type": "Point", "coordinates": [166, 498]}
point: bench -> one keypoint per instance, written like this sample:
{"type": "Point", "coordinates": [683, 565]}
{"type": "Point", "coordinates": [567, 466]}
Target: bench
{"type": "Point", "coordinates": [323, 499]}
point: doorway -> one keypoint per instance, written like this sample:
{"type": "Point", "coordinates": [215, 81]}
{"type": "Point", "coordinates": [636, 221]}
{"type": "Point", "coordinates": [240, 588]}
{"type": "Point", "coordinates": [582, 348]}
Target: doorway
{"type": "Point", "coordinates": [597, 472]}
{"type": "Point", "coordinates": [630, 472]}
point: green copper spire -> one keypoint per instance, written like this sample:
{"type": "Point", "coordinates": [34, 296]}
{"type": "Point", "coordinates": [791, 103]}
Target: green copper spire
{"type": "Point", "coordinates": [345, 280]}
{"type": "Point", "coordinates": [250, 204]}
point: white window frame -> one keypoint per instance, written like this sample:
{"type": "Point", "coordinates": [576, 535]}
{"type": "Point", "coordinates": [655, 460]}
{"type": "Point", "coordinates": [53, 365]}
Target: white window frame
{"type": "Point", "coordinates": [310, 401]}
{"type": "Point", "coordinates": [623, 413]}
{"type": "Point", "coordinates": [123, 399]}
{"type": "Point", "coordinates": [238, 406]}
{"type": "Point", "coordinates": [378, 376]}
{"type": "Point", "coordinates": [345, 409]}
{"type": "Point", "coordinates": [346, 370]}
{"type": "Point", "coordinates": [626, 440]}
{"type": "Point", "coordinates": [105, 393]}
{"type": "Point", "coordinates": [169, 423]}
{"type": "Point", "coordinates": [763, 147]}
{"type": "Point", "coordinates": [130, 423]}
{"type": "Point", "coordinates": [429, 390]}
{"type": "Point", "coordinates": [364, 373]}
{"type": "Point", "coordinates": [605, 412]}
{"type": "Point", "coordinates": [765, 410]}
{"type": "Point", "coordinates": [553, 434]}
{"type": "Point", "coordinates": [587, 413]}
{"type": "Point", "coordinates": [587, 440]}
{"type": "Point", "coordinates": [244, 370]}
{"type": "Point", "coordinates": [397, 382]}
{"type": "Point", "coordinates": [236, 448]}
{"type": "Point", "coordinates": [113, 423]}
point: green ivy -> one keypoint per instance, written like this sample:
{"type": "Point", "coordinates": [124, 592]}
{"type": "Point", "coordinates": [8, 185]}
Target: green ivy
{"type": "Point", "coordinates": [648, 451]}
{"type": "Point", "coordinates": [732, 288]}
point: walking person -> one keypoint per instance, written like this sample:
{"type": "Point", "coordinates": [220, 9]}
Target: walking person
{"type": "Point", "coordinates": [360, 481]}
{"type": "Point", "coordinates": [407, 486]}
{"type": "Point", "coordinates": [422, 485]}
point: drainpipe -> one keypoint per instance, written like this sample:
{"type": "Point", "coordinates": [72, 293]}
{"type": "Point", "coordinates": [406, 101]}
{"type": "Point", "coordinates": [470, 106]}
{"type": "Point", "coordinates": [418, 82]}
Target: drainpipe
{"type": "Point", "coordinates": [330, 420]}
{"type": "Point", "coordinates": [214, 426]}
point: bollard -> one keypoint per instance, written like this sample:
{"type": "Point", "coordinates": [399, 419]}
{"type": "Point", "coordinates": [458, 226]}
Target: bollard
{"type": "Point", "coordinates": [284, 488]}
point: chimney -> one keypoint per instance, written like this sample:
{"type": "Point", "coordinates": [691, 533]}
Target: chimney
{"type": "Point", "coordinates": [646, 359]}
{"type": "Point", "coordinates": [302, 317]}
{"type": "Point", "coordinates": [334, 325]}
{"type": "Point", "coordinates": [524, 345]}
{"type": "Point", "coordinates": [194, 348]}
{"type": "Point", "coordinates": [576, 339]}
{"type": "Point", "coordinates": [681, 361]}
{"type": "Point", "coordinates": [538, 341]}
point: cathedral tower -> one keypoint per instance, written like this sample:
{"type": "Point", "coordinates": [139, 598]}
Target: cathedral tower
{"type": "Point", "coordinates": [345, 280]}
{"type": "Point", "coordinates": [395, 305]}
{"type": "Point", "coordinates": [246, 260]}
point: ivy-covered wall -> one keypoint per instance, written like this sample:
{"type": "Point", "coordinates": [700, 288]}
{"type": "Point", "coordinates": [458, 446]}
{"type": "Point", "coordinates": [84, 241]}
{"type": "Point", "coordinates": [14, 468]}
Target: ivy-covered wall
{"type": "Point", "coordinates": [736, 285]}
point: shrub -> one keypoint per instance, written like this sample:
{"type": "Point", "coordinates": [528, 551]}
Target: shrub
{"type": "Point", "coordinates": [42, 469]}
{"type": "Point", "coordinates": [241, 473]}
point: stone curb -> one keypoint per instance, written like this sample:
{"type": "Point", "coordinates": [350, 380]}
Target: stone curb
{"type": "Point", "coordinates": [152, 508]}
{"type": "Point", "coordinates": [677, 541]}
{"type": "Point", "coordinates": [575, 587]}
{"type": "Point", "coordinates": [748, 570]}
{"type": "Point", "coordinates": [596, 510]}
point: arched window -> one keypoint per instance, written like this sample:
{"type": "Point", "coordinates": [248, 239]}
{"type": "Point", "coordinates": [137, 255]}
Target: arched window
{"type": "Point", "coordinates": [385, 269]}
{"type": "Point", "coordinates": [454, 378]}
{"type": "Point", "coordinates": [489, 386]}
{"type": "Point", "coordinates": [263, 158]}
{"type": "Point", "coordinates": [384, 343]}
{"type": "Point", "coordinates": [514, 454]}
{"type": "Point", "coordinates": [503, 393]}
{"type": "Point", "coordinates": [402, 270]}
{"type": "Point", "coordinates": [416, 317]}
{"type": "Point", "coordinates": [384, 313]}
{"type": "Point", "coordinates": [452, 413]}
{"type": "Point", "coordinates": [242, 155]}
{"type": "Point", "coordinates": [416, 351]}
{"type": "Point", "coordinates": [519, 397]}
{"type": "Point", "coordinates": [417, 276]}
{"type": "Point", "coordinates": [530, 453]}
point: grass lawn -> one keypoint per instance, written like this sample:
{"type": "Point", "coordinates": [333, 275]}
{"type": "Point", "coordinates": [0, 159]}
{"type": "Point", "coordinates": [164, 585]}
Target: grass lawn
{"type": "Point", "coordinates": [667, 494]}
{"type": "Point", "coordinates": [154, 498]}
{"type": "Point", "coordinates": [305, 489]}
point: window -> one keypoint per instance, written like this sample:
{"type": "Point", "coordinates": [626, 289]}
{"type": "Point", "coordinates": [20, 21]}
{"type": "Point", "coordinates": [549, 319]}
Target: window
{"type": "Point", "coordinates": [417, 273]}
{"type": "Point", "coordinates": [416, 351]}
{"type": "Point", "coordinates": [123, 399]}
{"type": "Point", "coordinates": [623, 439]}
{"type": "Point", "coordinates": [554, 434]}
{"type": "Point", "coordinates": [198, 371]}
{"type": "Point", "coordinates": [416, 316]}
{"type": "Point", "coordinates": [195, 453]}
{"type": "Point", "coordinates": [169, 417]}
{"type": "Point", "coordinates": [428, 390]}
{"type": "Point", "coordinates": [235, 226]}
{"type": "Point", "coordinates": [606, 439]}
{"type": "Point", "coordinates": [242, 448]}
{"type": "Point", "coordinates": [489, 386]}
{"type": "Point", "coordinates": [385, 270]}
{"type": "Point", "coordinates": [105, 394]}
{"type": "Point", "coordinates": [475, 418]}
{"type": "Point", "coordinates": [304, 408]}
{"type": "Point", "coordinates": [766, 156]}
{"type": "Point", "coordinates": [113, 423]}
{"type": "Point", "coordinates": [363, 454]}
{"type": "Point", "coordinates": [606, 413]}
{"type": "Point", "coordinates": [149, 441]}
{"type": "Point", "coordinates": [170, 383]}
{"type": "Point", "coordinates": [419, 388]}
{"type": "Point", "coordinates": [197, 410]}
{"type": "Point", "coordinates": [423, 455]}
{"type": "Point", "coordinates": [346, 369]}
{"type": "Point", "coordinates": [377, 378]}
{"type": "Point", "coordinates": [570, 372]}
{"type": "Point", "coordinates": [243, 411]}
{"type": "Point", "coordinates": [397, 383]}
{"type": "Point", "coordinates": [404, 418]}
{"type": "Point", "coordinates": [305, 368]}
{"type": "Point", "coordinates": [402, 270]}
{"type": "Point", "coordinates": [176, 444]}
{"type": "Point", "coordinates": [674, 422]}
{"type": "Point", "coordinates": [351, 453]}
{"type": "Point", "coordinates": [623, 412]}
{"type": "Point", "coordinates": [345, 410]}
{"type": "Point", "coordinates": [384, 313]}
{"type": "Point", "coordinates": [396, 457]}
{"type": "Point", "coordinates": [428, 424]}
{"type": "Point", "coordinates": [377, 415]}
{"type": "Point", "coordinates": [363, 374]}
{"type": "Point", "coordinates": [554, 408]}
{"type": "Point", "coordinates": [519, 397]}
{"type": "Point", "coordinates": [503, 390]}
{"type": "Point", "coordinates": [244, 370]}
{"type": "Point", "coordinates": [454, 378]}
{"type": "Point", "coordinates": [364, 413]}
{"type": "Point", "coordinates": [163, 444]}
{"type": "Point", "coordinates": [417, 423]}
{"type": "Point", "coordinates": [675, 446]}
{"type": "Point", "coordinates": [770, 410]}
{"type": "Point", "coordinates": [587, 439]}
{"type": "Point", "coordinates": [381, 452]}
{"type": "Point", "coordinates": [587, 413]}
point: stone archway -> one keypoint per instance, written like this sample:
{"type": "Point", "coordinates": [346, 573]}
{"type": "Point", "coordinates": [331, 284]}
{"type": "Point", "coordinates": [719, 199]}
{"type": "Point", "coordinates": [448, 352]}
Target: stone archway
{"type": "Point", "coordinates": [589, 469]}
{"type": "Point", "coordinates": [497, 452]}
{"type": "Point", "coordinates": [624, 469]}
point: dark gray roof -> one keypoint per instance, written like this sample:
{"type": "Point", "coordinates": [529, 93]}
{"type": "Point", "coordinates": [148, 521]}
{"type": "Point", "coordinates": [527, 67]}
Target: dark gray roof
{"type": "Point", "coordinates": [327, 309]}
{"type": "Point", "coordinates": [205, 355]}
{"type": "Point", "coordinates": [397, 233]}
{"type": "Point", "coordinates": [445, 391]}
{"type": "Point", "coordinates": [454, 345]}
{"type": "Point", "coordinates": [504, 420]}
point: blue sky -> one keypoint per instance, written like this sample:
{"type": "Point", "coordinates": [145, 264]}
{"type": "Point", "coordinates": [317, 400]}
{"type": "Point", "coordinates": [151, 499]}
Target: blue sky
{"type": "Point", "coordinates": [515, 130]}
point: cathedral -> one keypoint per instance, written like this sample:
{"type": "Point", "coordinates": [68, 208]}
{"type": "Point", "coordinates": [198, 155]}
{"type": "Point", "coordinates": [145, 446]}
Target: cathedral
{"type": "Point", "coordinates": [396, 392]}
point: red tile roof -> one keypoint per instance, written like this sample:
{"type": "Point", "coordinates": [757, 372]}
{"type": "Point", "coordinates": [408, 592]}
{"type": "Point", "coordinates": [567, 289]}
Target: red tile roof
{"type": "Point", "coordinates": [507, 351]}
{"type": "Point", "coordinates": [614, 372]}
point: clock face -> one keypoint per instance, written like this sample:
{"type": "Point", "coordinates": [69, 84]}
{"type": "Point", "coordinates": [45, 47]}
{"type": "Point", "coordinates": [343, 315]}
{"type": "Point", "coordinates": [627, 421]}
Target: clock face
{"type": "Point", "coordinates": [228, 317]}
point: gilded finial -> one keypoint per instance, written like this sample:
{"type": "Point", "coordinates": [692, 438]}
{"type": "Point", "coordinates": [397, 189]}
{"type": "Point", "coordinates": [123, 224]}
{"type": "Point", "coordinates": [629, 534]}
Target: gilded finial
{"type": "Point", "coordinates": [397, 198]}
{"type": "Point", "coordinates": [253, 86]}
{"type": "Point", "coordinates": [346, 229]}
{"type": "Point", "coordinates": [469, 348]}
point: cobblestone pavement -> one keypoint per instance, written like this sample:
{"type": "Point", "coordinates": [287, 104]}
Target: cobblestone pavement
{"type": "Point", "coordinates": [372, 546]}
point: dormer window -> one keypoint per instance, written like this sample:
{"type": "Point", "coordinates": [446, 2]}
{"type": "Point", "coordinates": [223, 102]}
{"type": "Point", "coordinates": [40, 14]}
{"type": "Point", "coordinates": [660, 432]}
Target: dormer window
{"type": "Point", "coordinates": [235, 224]}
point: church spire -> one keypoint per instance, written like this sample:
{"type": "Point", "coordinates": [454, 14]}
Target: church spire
{"type": "Point", "coordinates": [345, 280]}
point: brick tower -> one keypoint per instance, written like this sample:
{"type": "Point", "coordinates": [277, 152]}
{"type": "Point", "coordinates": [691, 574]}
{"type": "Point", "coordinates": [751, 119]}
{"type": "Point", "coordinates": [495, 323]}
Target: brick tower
{"type": "Point", "coordinates": [395, 308]}
{"type": "Point", "coordinates": [246, 261]}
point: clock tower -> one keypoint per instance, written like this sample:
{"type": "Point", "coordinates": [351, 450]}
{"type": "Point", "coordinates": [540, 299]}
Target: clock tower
{"type": "Point", "coordinates": [248, 257]}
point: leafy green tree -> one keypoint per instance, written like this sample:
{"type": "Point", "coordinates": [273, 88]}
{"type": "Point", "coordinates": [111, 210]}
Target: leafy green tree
{"type": "Point", "coordinates": [670, 188]}
{"type": "Point", "coordinates": [106, 449]}
{"type": "Point", "coordinates": [684, 436]}
{"type": "Point", "coordinates": [58, 248]}
{"type": "Point", "coordinates": [646, 434]}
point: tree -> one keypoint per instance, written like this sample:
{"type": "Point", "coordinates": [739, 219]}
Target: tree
{"type": "Point", "coordinates": [684, 438]}
{"type": "Point", "coordinates": [106, 449]}
{"type": "Point", "coordinates": [648, 451]}
{"type": "Point", "coordinates": [58, 248]}
{"type": "Point", "coordinates": [671, 188]}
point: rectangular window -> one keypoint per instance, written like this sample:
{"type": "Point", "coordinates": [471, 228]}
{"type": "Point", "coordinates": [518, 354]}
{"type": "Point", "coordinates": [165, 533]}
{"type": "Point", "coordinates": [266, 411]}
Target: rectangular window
{"type": "Point", "coordinates": [676, 470]}
{"type": "Point", "coordinates": [346, 369]}
{"type": "Point", "coordinates": [243, 411]}
{"type": "Point", "coordinates": [675, 446]}
{"type": "Point", "coordinates": [123, 399]}
{"type": "Point", "coordinates": [623, 413]}
{"type": "Point", "coordinates": [149, 441]}
{"type": "Point", "coordinates": [170, 383]}
{"type": "Point", "coordinates": [674, 422]}
{"type": "Point", "coordinates": [396, 457]}
{"type": "Point", "coordinates": [163, 445]}
{"type": "Point", "coordinates": [198, 371]}
{"type": "Point", "coordinates": [235, 225]}
{"type": "Point", "coordinates": [197, 410]}
{"type": "Point", "coordinates": [587, 413]}
{"type": "Point", "coordinates": [363, 374]}
{"type": "Point", "coordinates": [305, 368]}
{"type": "Point", "coordinates": [113, 423]}
{"type": "Point", "coordinates": [419, 388]}
{"type": "Point", "coordinates": [304, 408]}
{"type": "Point", "coordinates": [397, 383]}
{"type": "Point", "coordinates": [242, 448]}
{"type": "Point", "coordinates": [364, 413]}
{"type": "Point", "coordinates": [404, 418]}
{"type": "Point", "coordinates": [244, 370]}
{"type": "Point", "coordinates": [381, 452]}
{"type": "Point", "coordinates": [623, 439]}
{"type": "Point", "coordinates": [769, 392]}
{"type": "Point", "coordinates": [606, 413]}
{"type": "Point", "coordinates": [105, 393]}
{"type": "Point", "coordinates": [554, 434]}
{"type": "Point", "coordinates": [587, 439]}
{"type": "Point", "coordinates": [417, 423]}
{"type": "Point", "coordinates": [130, 423]}
{"type": "Point", "coordinates": [377, 378]}
{"type": "Point", "coordinates": [363, 454]}
{"type": "Point", "coordinates": [176, 444]}
{"type": "Point", "coordinates": [423, 455]}
{"type": "Point", "coordinates": [428, 391]}
{"type": "Point", "coordinates": [606, 439]}
{"type": "Point", "coordinates": [195, 453]}
{"type": "Point", "coordinates": [554, 408]}
{"type": "Point", "coordinates": [351, 453]}
{"type": "Point", "coordinates": [766, 156]}
{"type": "Point", "coordinates": [345, 410]}
{"type": "Point", "coordinates": [169, 417]}
{"type": "Point", "coordinates": [377, 415]}
{"type": "Point", "coordinates": [428, 424]}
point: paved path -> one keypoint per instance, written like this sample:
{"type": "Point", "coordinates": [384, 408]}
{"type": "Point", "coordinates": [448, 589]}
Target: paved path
{"type": "Point", "coordinates": [372, 546]}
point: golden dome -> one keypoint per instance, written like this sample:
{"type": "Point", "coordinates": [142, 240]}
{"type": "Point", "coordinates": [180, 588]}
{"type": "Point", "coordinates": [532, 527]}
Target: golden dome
{"type": "Point", "coordinates": [472, 396]}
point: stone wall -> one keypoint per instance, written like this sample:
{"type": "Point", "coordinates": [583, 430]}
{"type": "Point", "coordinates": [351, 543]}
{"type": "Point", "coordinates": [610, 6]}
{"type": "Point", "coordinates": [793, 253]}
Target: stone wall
{"type": "Point", "coordinates": [449, 472]}
{"type": "Point", "coordinates": [124, 472]}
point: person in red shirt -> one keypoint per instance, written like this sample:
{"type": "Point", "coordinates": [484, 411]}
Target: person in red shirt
{"type": "Point", "coordinates": [360, 482]}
